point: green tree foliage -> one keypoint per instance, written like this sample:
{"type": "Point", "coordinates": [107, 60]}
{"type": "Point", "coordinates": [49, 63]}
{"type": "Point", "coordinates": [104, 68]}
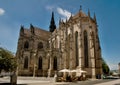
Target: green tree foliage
{"type": "Point", "coordinates": [105, 68]}
{"type": "Point", "coordinates": [7, 60]}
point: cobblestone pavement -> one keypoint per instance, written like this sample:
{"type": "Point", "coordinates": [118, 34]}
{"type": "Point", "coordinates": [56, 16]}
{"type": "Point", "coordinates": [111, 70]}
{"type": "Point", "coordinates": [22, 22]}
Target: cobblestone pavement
{"type": "Point", "coordinates": [50, 81]}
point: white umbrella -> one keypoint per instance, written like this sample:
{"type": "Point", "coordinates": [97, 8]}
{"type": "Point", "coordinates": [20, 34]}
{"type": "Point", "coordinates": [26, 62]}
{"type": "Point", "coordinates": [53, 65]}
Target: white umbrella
{"type": "Point", "coordinates": [64, 70]}
{"type": "Point", "coordinates": [83, 71]}
{"type": "Point", "coordinates": [78, 70]}
{"type": "Point", "coordinates": [73, 71]}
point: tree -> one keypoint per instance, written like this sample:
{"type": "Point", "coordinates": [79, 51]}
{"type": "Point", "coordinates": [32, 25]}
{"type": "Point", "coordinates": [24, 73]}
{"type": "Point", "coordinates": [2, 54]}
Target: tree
{"type": "Point", "coordinates": [105, 67]}
{"type": "Point", "coordinates": [7, 61]}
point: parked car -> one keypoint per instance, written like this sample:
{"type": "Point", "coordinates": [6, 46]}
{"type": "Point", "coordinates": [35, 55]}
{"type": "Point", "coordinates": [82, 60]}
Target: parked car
{"type": "Point", "coordinates": [111, 77]}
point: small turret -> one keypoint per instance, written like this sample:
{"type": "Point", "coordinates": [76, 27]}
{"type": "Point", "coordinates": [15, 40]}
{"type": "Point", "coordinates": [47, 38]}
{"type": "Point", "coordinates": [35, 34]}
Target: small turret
{"type": "Point", "coordinates": [22, 30]}
{"type": "Point", "coordinates": [32, 29]}
{"type": "Point", "coordinates": [95, 18]}
{"type": "Point", "coordinates": [71, 17]}
{"type": "Point", "coordinates": [52, 26]}
{"type": "Point", "coordinates": [59, 21]}
{"type": "Point", "coordinates": [80, 8]}
{"type": "Point", "coordinates": [88, 13]}
{"type": "Point", "coordinates": [80, 11]}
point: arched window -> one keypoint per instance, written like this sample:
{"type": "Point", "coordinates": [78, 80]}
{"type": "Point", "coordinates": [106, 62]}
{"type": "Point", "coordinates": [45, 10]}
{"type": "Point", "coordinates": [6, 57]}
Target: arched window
{"type": "Point", "coordinates": [26, 62]}
{"type": "Point", "coordinates": [76, 48]}
{"type": "Point", "coordinates": [26, 45]}
{"type": "Point", "coordinates": [40, 45]}
{"type": "Point", "coordinates": [40, 63]}
{"type": "Point", "coordinates": [55, 63]}
{"type": "Point", "coordinates": [86, 61]}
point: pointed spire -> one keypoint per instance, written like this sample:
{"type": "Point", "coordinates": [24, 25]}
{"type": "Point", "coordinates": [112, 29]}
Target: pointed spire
{"type": "Point", "coordinates": [71, 16]}
{"type": "Point", "coordinates": [95, 18]}
{"type": "Point", "coordinates": [32, 28]}
{"type": "Point", "coordinates": [53, 16]}
{"type": "Point", "coordinates": [59, 21]}
{"type": "Point", "coordinates": [66, 20]}
{"type": "Point", "coordinates": [52, 23]}
{"type": "Point", "coordinates": [22, 30]}
{"type": "Point", "coordinates": [88, 13]}
{"type": "Point", "coordinates": [80, 11]}
{"type": "Point", "coordinates": [80, 8]}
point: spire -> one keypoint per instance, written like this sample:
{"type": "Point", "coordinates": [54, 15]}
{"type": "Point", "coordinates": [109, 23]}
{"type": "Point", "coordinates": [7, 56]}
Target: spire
{"type": "Point", "coordinates": [95, 18]}
{"type": "Point", "coordinates": [80, 8]}
{"type": "Point", "coordinates": [22, 30]}
{"type": "Point", "coordinates": [71, 16]}
{"type": "Point", "coordinates": [52, 26]}
{"type": "Point", "coordinates": [32, 28]}
{"type": "Point", "coordinates": [59, 21]}
{"type": "Point", "coordinates": [88, 13]}
{"type": "Point", "coordinates": [66, 20]}
{"type": "Point", "coordinates": [80, 11]}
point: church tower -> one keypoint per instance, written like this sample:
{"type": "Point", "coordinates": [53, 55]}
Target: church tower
{"type": "Point", "coordinates": [52, 26]}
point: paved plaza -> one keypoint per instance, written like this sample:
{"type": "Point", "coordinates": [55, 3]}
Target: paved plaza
{"type": "Point", "coordinates": [50, 81]}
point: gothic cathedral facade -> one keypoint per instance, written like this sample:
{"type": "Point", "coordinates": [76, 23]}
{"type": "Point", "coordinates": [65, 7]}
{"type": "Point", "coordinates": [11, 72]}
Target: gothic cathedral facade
{"type": "Point", "coordinates": [73, 45]}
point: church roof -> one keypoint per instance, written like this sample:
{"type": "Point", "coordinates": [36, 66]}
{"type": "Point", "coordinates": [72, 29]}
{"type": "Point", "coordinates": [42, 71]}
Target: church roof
{"type": "Point", "coordinates": [38, 32]}
{"type": "Point", "coordinates": [79, 14]}
{"type": "Point", "coordinates": [42, 33]}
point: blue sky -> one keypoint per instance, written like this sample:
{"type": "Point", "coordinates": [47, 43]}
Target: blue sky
{"type": "Point", "coordinates": [14, 13]}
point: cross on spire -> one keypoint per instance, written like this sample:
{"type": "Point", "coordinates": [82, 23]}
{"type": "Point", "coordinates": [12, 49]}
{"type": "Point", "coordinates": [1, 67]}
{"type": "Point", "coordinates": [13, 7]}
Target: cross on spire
{"type": "Point", "coordinates": [80, 7]}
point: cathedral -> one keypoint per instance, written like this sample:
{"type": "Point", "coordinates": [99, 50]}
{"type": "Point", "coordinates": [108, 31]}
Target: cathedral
{"type": "Point", "coordinates": [74, 44]}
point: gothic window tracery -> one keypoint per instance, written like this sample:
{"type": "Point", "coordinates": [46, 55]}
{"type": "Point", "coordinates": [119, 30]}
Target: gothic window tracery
{"type": "Point", "coordinates": [76, 48]}
{"type": "Point", "coordinates": [26, 45]}
{"type": "Point", "coordinates": [40, 63]}
{"type": "Point", "coordinates": [86, 60]}
{"type": "Point", "coordinates": [55, 63]}
{"type": "Point", "coordinates": [26, 62]}
{"type": "Point", "coordinates": [40, 45]}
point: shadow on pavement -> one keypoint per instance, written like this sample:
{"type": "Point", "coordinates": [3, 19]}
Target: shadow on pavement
{"type": "Point", "coordinates": [117, 84]}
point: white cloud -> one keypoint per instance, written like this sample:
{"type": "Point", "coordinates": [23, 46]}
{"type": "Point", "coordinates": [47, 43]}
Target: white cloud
{"type": "Point", "coordinates": [49, 8]}
{"type": "Point", "coordinates": [64, 13]}
{"type": "Point", "coordinates": [2, 11]}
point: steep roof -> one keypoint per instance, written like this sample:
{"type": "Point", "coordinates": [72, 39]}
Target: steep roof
{"type": "Point", "coordinates": [38, 32]}
{"type": "Point", "coordinates": [79, 14]}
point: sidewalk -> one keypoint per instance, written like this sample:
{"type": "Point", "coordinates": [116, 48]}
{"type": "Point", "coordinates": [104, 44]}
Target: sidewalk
{"type": "Point", "coordinates": [114, 82]}
{"type": "Point", "coordinates": [50, 81]}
